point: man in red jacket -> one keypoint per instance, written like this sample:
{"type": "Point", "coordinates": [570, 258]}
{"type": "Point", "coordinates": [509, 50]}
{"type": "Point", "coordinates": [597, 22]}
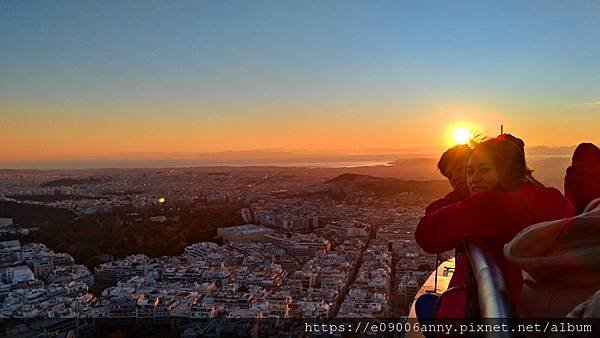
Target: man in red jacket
{"type": "Point", "coordinates": [452, 166]}
{"type": "Point", "coordinates": [504, 200]}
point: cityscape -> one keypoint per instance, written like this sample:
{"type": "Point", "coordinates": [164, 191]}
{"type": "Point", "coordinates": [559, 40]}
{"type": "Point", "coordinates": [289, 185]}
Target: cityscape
{"type": "Point", "coordinates": [292, 243]}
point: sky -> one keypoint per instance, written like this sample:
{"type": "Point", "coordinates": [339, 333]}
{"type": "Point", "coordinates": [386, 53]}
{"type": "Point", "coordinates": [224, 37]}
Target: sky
{"type": "Point", "coordinates": [106, 78]}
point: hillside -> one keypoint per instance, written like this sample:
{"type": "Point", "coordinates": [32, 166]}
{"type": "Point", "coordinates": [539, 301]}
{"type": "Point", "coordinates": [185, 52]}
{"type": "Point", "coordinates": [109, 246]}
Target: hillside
{"type": "Point", "coordinates": [384, 186]}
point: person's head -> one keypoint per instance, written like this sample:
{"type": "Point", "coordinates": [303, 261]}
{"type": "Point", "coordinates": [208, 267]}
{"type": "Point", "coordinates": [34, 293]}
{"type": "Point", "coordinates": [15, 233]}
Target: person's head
{"type": "Point", "coordinates": [497, 164]}
{"type": "Point", "coordinates": [452, 165]}
{"type": "Point", "coordinates": [586, 152]}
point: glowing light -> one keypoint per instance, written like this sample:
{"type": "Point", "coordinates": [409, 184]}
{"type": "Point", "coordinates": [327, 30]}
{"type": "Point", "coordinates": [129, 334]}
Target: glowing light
{"type": "Point", "coordinates": [162, 200]}
{"type": "Point", "coordinates": [461, 132]}
{"type": "Point", "coordinates": [462, 135]}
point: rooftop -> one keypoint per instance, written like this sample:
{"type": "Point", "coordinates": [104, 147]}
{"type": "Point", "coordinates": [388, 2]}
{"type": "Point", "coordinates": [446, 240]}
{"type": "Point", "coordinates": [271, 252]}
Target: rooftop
{"type": "Point", "coordinates": [247, 229]}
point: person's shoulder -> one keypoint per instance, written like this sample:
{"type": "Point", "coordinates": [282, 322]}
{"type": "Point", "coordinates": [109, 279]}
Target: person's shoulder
{"type": "Point", "coordinates": [546, 198]}
{"type": "Point", "coordinates": [583, 168]}
{"type": "Point", "coordinates": [538, 189]}
{"type": "Point", "coordinates": [533, 193]}
{"type": "Point", "coordinates": [433, 206]}
{"type": "Point", "coordinates": [533, 188]}
{"type": "Point", "coordinates": [450, 198]}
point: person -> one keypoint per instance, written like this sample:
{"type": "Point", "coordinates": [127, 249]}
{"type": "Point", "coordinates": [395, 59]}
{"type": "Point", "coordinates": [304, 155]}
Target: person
{"type": "Point", "coordinates": [561, 263]}
{"type": "Point", "coordinates": [504, 199]}
{"type": "Point", "coordinates": [582, 179]}
{"type": "Point", "coordinates": [452, 166]}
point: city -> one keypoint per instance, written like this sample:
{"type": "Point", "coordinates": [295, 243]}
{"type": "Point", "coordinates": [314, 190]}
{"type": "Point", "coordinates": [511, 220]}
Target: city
{"type": "Point", "coordinates": [301, 245]}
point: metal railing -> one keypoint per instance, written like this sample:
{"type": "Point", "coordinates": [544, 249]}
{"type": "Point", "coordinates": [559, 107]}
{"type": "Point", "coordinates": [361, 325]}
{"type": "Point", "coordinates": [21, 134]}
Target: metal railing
{"type": "Point", "coordinates": [487, 293]}
{"type": "Point", "coordinates": [489, 301]}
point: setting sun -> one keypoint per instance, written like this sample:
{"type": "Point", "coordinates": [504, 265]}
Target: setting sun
{"type": "Point", "coordinates": [461, 132]}
{"type": "Point", "coordinates": [462, 135]}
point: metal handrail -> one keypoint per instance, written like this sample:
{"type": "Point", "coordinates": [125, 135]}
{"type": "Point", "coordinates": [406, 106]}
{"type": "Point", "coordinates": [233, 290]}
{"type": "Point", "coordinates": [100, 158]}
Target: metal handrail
{"type": "Point", "coordinates": [493, 297]}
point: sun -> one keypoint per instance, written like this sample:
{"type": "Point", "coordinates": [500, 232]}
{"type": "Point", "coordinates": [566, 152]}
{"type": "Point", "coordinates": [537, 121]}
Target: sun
{"type": "Point", "coordinates": [462, 135]}
{"type": "Point", "coordinates": [462, 132]}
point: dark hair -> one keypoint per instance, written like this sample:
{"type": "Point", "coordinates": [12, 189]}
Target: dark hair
{"type": "Point", "coordinates": [451, 155]}
{"type": "Point", "coordinates": [508, 155]}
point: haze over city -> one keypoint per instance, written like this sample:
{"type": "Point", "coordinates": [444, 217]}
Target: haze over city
{"type": "Point", "coordinates": [109, 80]}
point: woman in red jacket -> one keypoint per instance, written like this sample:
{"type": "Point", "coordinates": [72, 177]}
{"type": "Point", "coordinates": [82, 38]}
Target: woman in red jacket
{"type": "Point", "coordinates": [504, 200]}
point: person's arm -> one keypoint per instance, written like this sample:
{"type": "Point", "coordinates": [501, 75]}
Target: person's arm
{"type": "Point", "coordinates": [435, 205]}
{"type": "Point", "coordinates": [481, 215]}
{"type": "Point", "coordinates": [450, 198]}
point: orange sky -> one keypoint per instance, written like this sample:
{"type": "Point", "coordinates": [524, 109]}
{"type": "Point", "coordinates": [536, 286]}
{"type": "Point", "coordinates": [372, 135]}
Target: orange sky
{"type": "Point", "coordinates": [126, 77]}
{"type": "Point", "coordinates": [62, 132]}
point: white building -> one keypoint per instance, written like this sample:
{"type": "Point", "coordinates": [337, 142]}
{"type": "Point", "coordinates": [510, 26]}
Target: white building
{"type": "Point", "coordinates": [6, 222]}
{"type": "Point", "coordinates": [244, 233]}
{"type": "Point", "coordinates": [17, 274]}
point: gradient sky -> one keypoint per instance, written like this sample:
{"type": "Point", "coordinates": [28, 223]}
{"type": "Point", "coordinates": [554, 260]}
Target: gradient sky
{"type": "Point", "coordinates": [88, 78]}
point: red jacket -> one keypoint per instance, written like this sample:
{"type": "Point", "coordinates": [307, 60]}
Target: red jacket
{"type": "Point", "coordinates": [582, 181]}
{"type": "Point", "coordinates": [582, 184]}
{"type": "Point", "coordinates": [452, 197]}
{"type": "Point", "coordinates": [494, 216]}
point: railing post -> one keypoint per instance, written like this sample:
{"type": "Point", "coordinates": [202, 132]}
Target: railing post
{"type": "Point", "coordinates": [437, 260]}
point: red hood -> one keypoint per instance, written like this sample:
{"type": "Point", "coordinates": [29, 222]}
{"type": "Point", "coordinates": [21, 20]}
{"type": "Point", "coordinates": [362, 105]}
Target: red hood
{"type": "Point", "coordinates": [582, 184]}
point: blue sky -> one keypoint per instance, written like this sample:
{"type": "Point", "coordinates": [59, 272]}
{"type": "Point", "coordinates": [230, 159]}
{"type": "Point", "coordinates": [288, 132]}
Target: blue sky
{"type": "Point", "coordinates": [59, 59]}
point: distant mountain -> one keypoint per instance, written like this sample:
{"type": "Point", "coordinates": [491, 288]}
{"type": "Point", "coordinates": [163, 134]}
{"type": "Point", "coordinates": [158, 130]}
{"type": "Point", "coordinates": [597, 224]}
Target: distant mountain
{"type": "Point", "coordinates": [550, 151]}
{"type": "Point", "coordinates": [382, 186]}
{"type": "Point", "coordinates": [416, 162]}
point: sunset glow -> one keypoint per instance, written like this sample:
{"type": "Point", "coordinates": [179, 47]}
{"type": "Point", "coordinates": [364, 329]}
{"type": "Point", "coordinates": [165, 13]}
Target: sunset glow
{"type": "Point", "coordinates": [120, 82]}
{"type": "Point", "coordinates": [462, 135]}
{"type": "Point", "coordinates": [461, 132]}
